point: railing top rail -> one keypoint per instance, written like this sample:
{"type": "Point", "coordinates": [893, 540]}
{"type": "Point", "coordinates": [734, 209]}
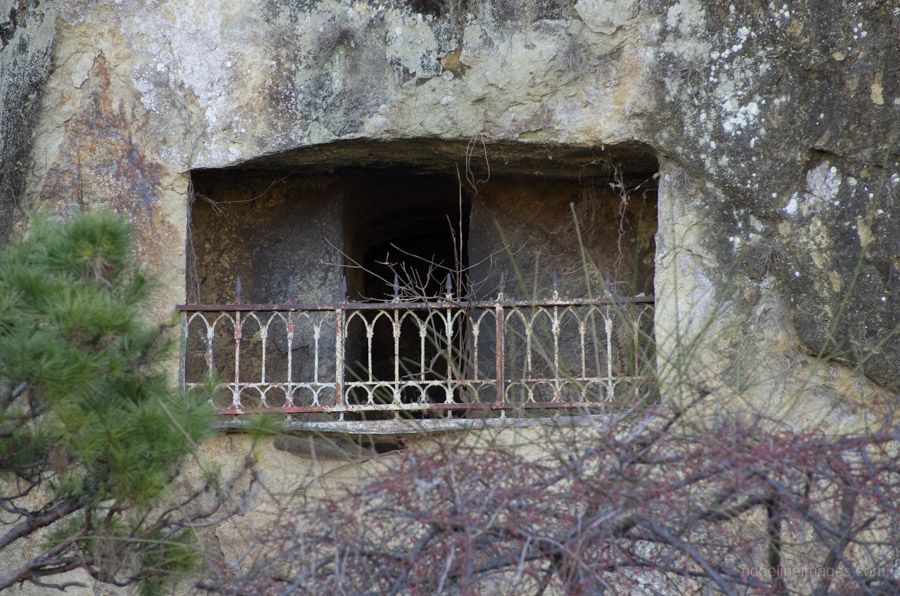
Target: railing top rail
{"type": "Point", "coordinates": [409, 305]}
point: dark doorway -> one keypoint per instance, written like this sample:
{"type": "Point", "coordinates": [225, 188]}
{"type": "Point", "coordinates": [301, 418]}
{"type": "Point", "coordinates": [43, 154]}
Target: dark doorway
{"type": "Point", "coordinates": [406, 243]}
{"type": "Point", "coordinates": [412, 227]}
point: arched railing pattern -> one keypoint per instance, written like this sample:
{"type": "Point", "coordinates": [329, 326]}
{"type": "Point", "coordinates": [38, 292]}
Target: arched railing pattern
{"type": "Point", "coordinates": [414, 357]}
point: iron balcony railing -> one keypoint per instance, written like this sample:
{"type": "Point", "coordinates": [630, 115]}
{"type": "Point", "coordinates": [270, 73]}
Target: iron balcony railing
{"type": "Point", "coordinates": [357, 361]}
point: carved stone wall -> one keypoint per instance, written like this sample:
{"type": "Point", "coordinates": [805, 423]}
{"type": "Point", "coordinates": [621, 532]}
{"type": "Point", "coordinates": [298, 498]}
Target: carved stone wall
{"type": "Point", "coordinates": [775, 128]}
{"type": "Point", "coordinates": [774, 125]}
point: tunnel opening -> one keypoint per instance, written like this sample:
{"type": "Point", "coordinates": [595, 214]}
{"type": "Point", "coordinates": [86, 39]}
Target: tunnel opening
{"type": "Point", "coordinates": [415, 230]}
{"type": "Point", "coordinates": [406, 245]}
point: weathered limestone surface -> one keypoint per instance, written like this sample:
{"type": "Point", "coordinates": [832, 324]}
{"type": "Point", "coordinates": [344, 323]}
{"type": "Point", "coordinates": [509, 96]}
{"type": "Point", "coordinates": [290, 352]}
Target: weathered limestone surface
{"type": "Point", "coordinates": [27, 35]}
{"type": "Point", "coordinates": [789, 149]}
{"type": "Point", "coordinates": [775, 125]}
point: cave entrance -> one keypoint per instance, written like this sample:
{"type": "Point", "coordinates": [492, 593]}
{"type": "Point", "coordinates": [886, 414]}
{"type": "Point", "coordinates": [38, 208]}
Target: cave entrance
{"type": "Point", "coordinates": [414, 229]}
{"type": "Point", "coordinates": [406, 252]}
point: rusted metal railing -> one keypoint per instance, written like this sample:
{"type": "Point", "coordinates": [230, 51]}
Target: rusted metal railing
{"type": "Point", "coordinates": [383, 359]}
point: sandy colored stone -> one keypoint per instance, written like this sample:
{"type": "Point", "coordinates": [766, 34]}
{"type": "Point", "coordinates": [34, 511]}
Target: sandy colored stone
{"type": "Point", "coordinates": [775, 132]}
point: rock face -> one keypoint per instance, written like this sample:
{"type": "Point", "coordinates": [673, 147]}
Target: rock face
{"type": "Point", "coordinates": [255, 138]}
{"type": "Point", "coordinates": [774, 125]}
{"type": "Point", "coordinates": [27, 35]}
{"type": "Point", "coordinates": [790, 132]}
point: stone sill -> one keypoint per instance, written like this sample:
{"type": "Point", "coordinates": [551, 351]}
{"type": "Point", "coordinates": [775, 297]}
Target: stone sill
{"type": "Point", "coordinates": [414, 427]}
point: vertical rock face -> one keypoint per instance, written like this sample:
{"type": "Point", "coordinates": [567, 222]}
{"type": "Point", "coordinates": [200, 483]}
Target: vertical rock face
{"type": "Point", "coordinates": [790, 137]}
{"type": "Point", "coordinates": [27, 34]}
{"type": "Point", "coordinates": [775, 126]}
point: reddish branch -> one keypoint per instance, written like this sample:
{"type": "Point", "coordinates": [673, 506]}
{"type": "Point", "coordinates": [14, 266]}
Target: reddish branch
{"type": "Point", "coordinates": [49, 563]}
{"type": "Point", "coordinates": [652, 504]}
{"type": "Point", "coordinates": [37, 521]}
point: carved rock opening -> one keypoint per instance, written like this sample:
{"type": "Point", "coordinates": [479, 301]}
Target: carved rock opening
{"type": "Point", "coordinates": [416, 221]}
